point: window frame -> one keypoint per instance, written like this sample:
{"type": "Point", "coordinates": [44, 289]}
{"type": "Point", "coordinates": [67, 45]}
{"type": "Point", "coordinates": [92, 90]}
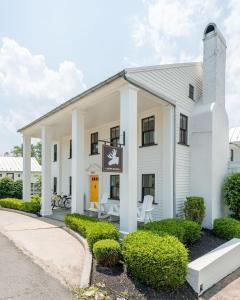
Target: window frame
{"type": "Point", "coordinates": [191, 91]}
{"type": "Point", "coordinates": [148, 131]}
{"type": "Point", "coordinates": [70, 148]}
{"type": "Point", "coordinates": [114, 141]}
{"type": "Point", "coordinates": [232, 155]}
{"type": "Point", "coordinates": [11, 175]}
{"type": "Point", "coordinates": [55, 182]}
{"type": "Point", "coordinates": [55, 156]}
{"type": "Point", "coordinates": [70, 185]}
{"type": "Point", "coordinates": [113, 197]}
{"type": "Point", "coordinates": [94, 143]}
{"type": "Point", "coordinates": [149, 187]}
{"type": "Point", "coordinates": [183, 132]}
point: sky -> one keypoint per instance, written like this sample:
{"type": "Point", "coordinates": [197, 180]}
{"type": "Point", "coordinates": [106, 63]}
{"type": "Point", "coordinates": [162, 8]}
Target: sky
{"type": "Point", "coordinates": [52, 50]}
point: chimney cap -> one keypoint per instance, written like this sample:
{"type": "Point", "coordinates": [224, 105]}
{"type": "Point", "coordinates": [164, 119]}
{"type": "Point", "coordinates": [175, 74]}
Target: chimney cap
{"type": "Point", "coordinates": [212, 30]}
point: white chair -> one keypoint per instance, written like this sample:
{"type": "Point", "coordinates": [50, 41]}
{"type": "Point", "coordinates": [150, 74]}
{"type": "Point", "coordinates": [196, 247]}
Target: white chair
{"type": "Point", "coordinates": [144, 213]}
{"type": "Point", "coordinates": [102, 205]}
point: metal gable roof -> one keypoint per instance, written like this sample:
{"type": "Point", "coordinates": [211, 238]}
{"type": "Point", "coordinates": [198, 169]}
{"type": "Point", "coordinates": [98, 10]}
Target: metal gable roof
{"type": "Point", "coordinates": [234, 135]}
{"type": "Point", "coordinates": [127, 74]}
{"type": "Point", "coordinates": [15, 164]}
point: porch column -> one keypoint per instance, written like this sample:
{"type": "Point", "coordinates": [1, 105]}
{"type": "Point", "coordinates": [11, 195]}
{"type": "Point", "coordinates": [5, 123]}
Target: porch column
{"type": "Point", "coordinates": [26, 168]}
{"type": "Point", "coordinates": [168, 161]}
{"type": "Point", "coordinates": [46, 171]}
{"type": "Point", "coordinates": [78, 161]}
{"type": "Point", "coordinates": [128, 178]}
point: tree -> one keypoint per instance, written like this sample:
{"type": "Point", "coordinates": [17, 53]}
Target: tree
{"type": "Point", "coordinates": [36, 151]}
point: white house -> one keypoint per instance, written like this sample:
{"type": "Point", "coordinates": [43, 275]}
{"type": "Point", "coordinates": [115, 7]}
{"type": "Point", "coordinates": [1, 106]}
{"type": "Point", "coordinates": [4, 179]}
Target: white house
{"type": "Point", "coordinates": [12, 167]}
{"type": "Point", "coordinates": [173, 121]}
{"type": "Point", "coordinates": [234, 150]}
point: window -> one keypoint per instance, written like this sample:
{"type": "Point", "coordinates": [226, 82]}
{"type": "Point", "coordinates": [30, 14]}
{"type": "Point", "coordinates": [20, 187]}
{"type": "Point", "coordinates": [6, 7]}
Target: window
{"type": "Point", "coordinates": [70, 185]}
{"type": "Point", "coordinates": [183, 132]}
{"type": "Point", "coordinates": [114, 136]}
{"type": "Point", "coordinates": [0, 175]}
{"type": "Point", "coordinates": [19, 175]}
{"type": "Point", "coordinates": [148, 125]}
{"type": "Point", "coordinates": [55, 184]}
{"type": "Point", "coordinates": [94, 143]}
{"type": "Point", "coordinates": [70, 149]}
{"type": "Point", "coordinates": [114, 186]}
{"type": "Point", "coordinates": [191, 92]}
{"type": "Point", "coordinates": [55, 152]}
{"type": "Point", "coordinates": [148, 185]}
{"type": "Point", "coordinates": [10, 175]}
{"type": "Point", "coordinates": [232, 155]}
{"type": "Point", "coordinates": [34, 188]}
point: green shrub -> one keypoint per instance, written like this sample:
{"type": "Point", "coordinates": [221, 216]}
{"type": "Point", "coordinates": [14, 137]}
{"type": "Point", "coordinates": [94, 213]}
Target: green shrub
{"type": "Point", "coordinates": [107, 252]}
{"type": "Point", "coordinates": [17, 189]}
{"type": "Point", "coordinates": [231, 194]}
{"type": "Point", "coordinates": [186, 231]}
{"type": "Point", "coordinates": [92, 229]}
{"type": "Point", "coordinates": [158, 261]}
{"type": "Point", "coordinates": [6, 187]}
{"type": "Point", "coordinates": [18, 204]}
{"type": "Point", "coordinates": [226, 228]}
{"type": "Point", "coordinates": [194, 209]}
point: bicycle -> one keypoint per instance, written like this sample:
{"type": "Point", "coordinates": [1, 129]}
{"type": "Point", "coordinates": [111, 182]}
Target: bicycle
{"type": "Point", "coordinates": [55, 200]}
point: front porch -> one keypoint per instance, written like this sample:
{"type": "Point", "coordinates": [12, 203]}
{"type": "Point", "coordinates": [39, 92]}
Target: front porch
{"type": "Point", "coordinates": [69, 164]}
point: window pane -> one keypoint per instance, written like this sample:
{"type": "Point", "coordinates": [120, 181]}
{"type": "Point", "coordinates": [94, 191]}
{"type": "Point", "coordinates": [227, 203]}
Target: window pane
{"type": "Point", "coordinates": [151, 123]}
{"type": "Point", "coordinates": [146, 138]}
{"type": "Point", "coordinates": [145, 125]}
{"type": "Point", "coordinates": [151, 137]}
{"type": "Point", "coordinates": [117, 131]}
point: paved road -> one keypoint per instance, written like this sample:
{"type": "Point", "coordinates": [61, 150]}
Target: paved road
{"type": "Point", "coordinates": [21, 279]}
{"type": "Point", "coordinates": [48, 245]}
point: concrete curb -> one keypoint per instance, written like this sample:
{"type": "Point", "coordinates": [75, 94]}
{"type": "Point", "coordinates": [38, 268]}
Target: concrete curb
{"type": "Point", "coordinates": [86, 272]}
{"type": "Point", "coordinates": [20, 212]}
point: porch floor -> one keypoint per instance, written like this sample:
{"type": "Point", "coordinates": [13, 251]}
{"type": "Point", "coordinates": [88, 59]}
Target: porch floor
{"type": "Point", "coordinates": [59, 214]}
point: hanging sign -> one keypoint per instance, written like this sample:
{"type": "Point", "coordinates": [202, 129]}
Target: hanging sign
{"type": "Point", "coordinates": [112, 159]}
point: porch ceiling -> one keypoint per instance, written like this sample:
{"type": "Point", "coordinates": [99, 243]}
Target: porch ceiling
{"type": "Point", "coordinates": [99, 111]}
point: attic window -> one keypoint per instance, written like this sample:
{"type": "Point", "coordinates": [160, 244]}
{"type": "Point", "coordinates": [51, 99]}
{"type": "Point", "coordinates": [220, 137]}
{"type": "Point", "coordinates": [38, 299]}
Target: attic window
{"type": "Point", "coordinates": [191, 92]}
{"type": "Point", "coordinates": [209, 29]}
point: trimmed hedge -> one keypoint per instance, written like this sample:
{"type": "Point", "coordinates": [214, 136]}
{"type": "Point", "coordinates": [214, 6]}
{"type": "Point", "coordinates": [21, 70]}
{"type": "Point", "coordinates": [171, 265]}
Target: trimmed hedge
{"type": "Point", "coordinates": [92, 229]}
{"type": "Point", "coordinates": [186, 231]}
{"type": "Point", "coordinates": [10, 188]}
{"type": "Point", "coordinates": [231, 193]}
{"type": "Point", "coordinates": [107, 252]}
{"type": "Point", "coordinates": [194, 209]}
{"type": "Point", "coordinates": [18, 204]}
{"type": "Point", "coordinates": [158, 261]}
{"type": "Point", "coordinates": [226, 228]}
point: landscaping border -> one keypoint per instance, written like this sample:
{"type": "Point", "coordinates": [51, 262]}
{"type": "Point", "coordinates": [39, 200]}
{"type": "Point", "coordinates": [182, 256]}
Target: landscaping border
{"type": "Point", "coordinates": [87, 268]}
{"type": "Point", "coordinates": [20, 212]}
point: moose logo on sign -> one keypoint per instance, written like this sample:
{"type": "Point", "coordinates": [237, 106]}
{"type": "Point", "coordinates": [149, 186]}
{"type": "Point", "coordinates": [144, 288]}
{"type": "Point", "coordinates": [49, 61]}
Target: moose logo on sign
{"type": "Point", "coordinates": [111, 159]}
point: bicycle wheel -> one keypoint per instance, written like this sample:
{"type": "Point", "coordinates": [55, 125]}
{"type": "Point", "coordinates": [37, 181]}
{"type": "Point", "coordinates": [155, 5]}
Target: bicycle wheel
{"type": "Point", "coordinates": [67, 203]}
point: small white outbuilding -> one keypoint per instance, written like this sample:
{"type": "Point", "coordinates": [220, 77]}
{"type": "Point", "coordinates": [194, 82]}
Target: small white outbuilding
{"type": "Point", "coordinates": [12, 167]}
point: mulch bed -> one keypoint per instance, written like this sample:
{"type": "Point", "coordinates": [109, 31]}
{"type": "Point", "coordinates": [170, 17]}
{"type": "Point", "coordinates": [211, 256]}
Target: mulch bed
{"type": "Point", "coordinates": [118, 282]}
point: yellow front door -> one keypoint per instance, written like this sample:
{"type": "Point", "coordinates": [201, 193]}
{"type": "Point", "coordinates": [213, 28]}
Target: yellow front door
{"type": "Point", "coordinates": [94, 188]}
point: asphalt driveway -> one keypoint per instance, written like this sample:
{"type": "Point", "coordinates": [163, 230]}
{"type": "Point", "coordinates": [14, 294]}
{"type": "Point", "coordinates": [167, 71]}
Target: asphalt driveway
{"type": "Point", "coordinates": [22, 279]}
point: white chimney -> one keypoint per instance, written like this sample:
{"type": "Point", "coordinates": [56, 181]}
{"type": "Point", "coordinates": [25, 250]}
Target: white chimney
{"type": "Point", "coordinates": [209, 128]}
{"type": "Point", "coordinates": [214, 61]}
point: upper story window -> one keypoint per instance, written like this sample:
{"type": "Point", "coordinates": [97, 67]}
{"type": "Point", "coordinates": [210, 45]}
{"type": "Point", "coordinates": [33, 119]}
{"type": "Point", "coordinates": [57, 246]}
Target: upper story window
{"type": "Point", "coordinates": [70, 149]}
{"type": "Point", "coordinates": [55, 184]}
{"type": "Point", "coordinates": [232, 155]}
{"type": "Point", "coordinates": [55, 152]}
{"type": "Point", "coordinates": [148, 185]}
{"type": "Point", "coordinates": [94, 143]}
{"type": "Point", "coordinates": [183, 131]}
{"type": "Point", "coordinates": [191, 91]}
{"type": "Point", "coordinates": [148, 127]}
{"type": "Point", "coordinates": [114, 136]}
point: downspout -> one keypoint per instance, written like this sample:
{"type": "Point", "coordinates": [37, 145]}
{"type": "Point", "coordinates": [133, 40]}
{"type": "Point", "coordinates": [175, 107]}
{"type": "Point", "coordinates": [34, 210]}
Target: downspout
{"type": "Point", "coordinates": [174, 135]}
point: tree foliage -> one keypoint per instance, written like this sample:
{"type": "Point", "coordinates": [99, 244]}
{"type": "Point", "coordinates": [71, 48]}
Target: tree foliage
{"type": "Point", "coordinates": [36, 151]}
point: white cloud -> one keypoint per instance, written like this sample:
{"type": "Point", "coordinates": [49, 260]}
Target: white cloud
{"type": "Point", "coordinates": [166, 22]}
{"type": "Point", "coordinates": [25, 74]}
{"type": "Point", "coordinates": [232, 29]}
{"type": "Point", "coordinates": [29, 87]}
{"type": "Point", "coordinates": [172, 30]}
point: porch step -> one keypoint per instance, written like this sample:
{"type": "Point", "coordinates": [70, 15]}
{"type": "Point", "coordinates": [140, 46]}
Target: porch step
{"type": "Point", "coordinates": [210, 268]}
